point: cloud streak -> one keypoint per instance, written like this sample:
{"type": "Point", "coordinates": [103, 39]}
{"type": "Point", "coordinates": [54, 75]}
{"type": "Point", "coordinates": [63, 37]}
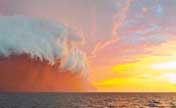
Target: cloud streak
{"type": "Point", "coordinates": [120, 17]}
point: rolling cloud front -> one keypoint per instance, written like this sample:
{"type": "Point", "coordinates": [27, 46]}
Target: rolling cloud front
{"type": "Point", "coordinates": [41, 40]}
{"type": "Point", "coordinates": [39, 55]}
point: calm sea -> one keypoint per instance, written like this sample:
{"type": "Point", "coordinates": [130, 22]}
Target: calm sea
{"type": "Point", "coordinates": [88, 100]}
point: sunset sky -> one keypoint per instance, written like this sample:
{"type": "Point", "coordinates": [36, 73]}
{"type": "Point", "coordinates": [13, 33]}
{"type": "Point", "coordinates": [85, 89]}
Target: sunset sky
{"type": "Point", "coordinates": [130, 44]}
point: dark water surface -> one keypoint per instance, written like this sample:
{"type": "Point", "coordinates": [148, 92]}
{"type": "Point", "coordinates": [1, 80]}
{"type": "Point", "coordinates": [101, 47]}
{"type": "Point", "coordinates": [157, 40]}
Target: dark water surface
{"type": "Point", "coordinates": [88, 100]}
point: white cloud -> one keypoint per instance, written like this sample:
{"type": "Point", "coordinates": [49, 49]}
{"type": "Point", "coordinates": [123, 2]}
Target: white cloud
{"type": "Point", "coordinates": [40, 39]}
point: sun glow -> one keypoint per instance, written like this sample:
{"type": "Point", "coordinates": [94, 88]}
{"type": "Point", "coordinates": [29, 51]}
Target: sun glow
{"type": "Point", "coordinates": [148, 73]}
{"type": "Point", "coordinates": [165, 65]}
{"type": "Point", "coordinates": [171, 77]}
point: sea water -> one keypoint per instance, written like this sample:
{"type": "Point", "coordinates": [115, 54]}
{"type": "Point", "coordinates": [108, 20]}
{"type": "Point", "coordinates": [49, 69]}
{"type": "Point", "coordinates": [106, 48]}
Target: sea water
{"type": "Point", "coordinates": [87, 100]}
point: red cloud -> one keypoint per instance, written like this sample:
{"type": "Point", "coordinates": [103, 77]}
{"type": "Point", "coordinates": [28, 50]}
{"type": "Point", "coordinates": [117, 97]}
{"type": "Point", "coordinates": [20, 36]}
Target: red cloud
{"type": "Point", "coordinates": [23, 74]}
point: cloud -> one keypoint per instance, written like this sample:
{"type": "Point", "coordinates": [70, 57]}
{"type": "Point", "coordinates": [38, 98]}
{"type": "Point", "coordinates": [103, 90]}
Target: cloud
{"type": "Point", "coordinates": [120, 18]}
{"type": "Point", "coordinates": [76, 61]}
{"type": "Point", "coordinates": [41, 40]}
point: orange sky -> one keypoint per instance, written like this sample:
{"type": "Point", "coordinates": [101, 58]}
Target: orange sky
{"type": "Point", "coordinates": [156, 72]}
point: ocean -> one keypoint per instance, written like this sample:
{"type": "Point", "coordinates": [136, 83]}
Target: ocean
{"type": "Point", "coordinates": [88, 100]}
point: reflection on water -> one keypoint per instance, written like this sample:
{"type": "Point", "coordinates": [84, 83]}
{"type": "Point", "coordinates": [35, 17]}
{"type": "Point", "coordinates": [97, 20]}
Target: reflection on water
{"type": "Point", "coordinates": [88, 100]}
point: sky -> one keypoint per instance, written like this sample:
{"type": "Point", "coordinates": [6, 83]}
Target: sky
{"type": "Point", "coordinates": [130, 44]}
